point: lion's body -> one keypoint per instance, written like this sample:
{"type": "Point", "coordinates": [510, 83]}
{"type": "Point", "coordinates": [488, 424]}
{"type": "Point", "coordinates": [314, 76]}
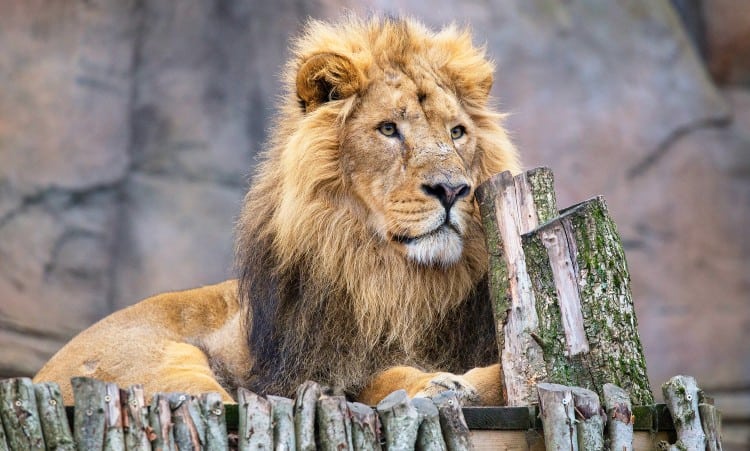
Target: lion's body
{"type": "Point", "coordinates": [359, 246]}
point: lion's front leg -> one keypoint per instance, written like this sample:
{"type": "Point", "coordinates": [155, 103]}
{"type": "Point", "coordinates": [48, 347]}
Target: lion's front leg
{"type": "Point", "coordinates": [479, 386]}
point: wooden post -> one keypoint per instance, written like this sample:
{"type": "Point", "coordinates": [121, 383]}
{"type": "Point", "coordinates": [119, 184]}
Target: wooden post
{"type": "Point", "coordinates": [578, 270]}
{"type": "Point", "coordinates": [88, 420]}
{"type": "Point", "coordinates": [334, 427]}
{"type": "Point", "coordinates": [400, 421]}
{"type": "Point", "coordinates": [558, 418]}
{"type": "Point", "coordinates": [213, 412]}
{"type": "Point", "coordinates": [114, 440]}
{"type": "Point", "coordinates": [455, 431]}
{"type": "Point", "coordinates": [511, 206]}
{"type": "Point", "coordinates": [710, 421]}
{"type": "Point", "coordinates": [430, 435]}
{"type": "Point", "coordinates": [619, 418]}
{"type": "Point", "coordinates": [160, 417]}
{"type": "Point", "coordinates": [188, 427]}
{"type": "Point", "coordinates": [135, 419]}
{"type": "Point", "coordinates": [681, 397]}
{"type": "Point", "coordinates": [365, 427]}
{"type": "Point", "coordinates": [590, 418]}
{"type": "Point", "coordinates": [51, 409]}
{"type": "Point", "coordinates": [20, 416]}
{"type": "Point", "coordinates": [560, 289]}
{"type": "Point", "coordinates": [304, 415]}
{"type": "Point", "coordinates": [282, 413]}
{"type": "Point", "coordinates": [255, 426]}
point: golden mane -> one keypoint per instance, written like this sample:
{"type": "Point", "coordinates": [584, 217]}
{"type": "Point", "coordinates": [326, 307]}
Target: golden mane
{"type": "Point", "coordinates": [325, 299]}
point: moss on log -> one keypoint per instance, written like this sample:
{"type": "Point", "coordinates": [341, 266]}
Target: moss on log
{"type": "Point", "coordinates": [20, 416]}
{"type": "Point", "coordinates": [89, 422]}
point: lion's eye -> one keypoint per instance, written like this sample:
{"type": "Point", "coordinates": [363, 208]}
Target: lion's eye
{"type": "Point", "coordinates": [458, 131]}
{"type": "Point", "coordinates": [388, 129]}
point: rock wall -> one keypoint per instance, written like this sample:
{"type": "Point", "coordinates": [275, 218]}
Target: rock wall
{"type": "Point", "coordinates": [128, 129]}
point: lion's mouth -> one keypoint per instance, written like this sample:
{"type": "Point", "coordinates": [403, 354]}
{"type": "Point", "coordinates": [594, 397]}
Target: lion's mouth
{"type": "Point", "coordinates": [404, 239]}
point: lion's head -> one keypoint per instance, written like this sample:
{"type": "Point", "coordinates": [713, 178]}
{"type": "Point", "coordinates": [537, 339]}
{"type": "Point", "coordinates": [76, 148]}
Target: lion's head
{"type": "Point", "coordinates": [361, 229]}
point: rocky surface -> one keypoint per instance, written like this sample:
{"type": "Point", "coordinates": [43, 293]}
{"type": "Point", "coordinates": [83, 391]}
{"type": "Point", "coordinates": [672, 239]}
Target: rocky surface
{"type": "Point", "coordinates": [128, 129]}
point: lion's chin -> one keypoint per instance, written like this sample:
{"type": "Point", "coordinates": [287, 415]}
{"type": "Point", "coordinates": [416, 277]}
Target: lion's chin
{"type": "Point", "coordinates": [442, 247]}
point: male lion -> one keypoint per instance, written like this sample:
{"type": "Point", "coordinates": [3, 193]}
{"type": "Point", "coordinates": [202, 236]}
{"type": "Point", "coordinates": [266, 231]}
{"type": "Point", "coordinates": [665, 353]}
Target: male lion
{"type": "Point", "coordinates": [360, 251]}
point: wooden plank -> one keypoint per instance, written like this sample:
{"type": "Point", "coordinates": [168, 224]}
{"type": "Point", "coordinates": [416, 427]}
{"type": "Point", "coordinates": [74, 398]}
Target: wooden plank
{"type": "Point", "coordinates": [533, 440]}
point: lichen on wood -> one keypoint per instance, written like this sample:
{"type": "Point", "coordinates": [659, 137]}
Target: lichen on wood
{"type": "Point", "coordinates": [619, 418]}
{"type": "Point", "coordinates": [89, 423]}
{"type": "Point", "coordinates": [213, 411]}
{"type": "Point", "coordinates": [400, 421]}
{"type": "Point", "coordinates": [135, 418]}
{"type": "Point", "coordinates": [255, 425]}
{"type": "Point", "coordinates": [55, 428]}
{"type": "Point", "coordinates": [20, 417]}
{"type": "Point", "coordinates": [452, 422]}
{"type": "Point", "coordinates": [681, 396]}
{"type": "Point", "coordinates": [597, 262]}
{"type": "Point", "coordinates": [430, 434]}
{"type": "Point", "coordinates": [304, 415]}
{"type": "Point", "coordinates": [333, 422]}
{"type": "Point", "coordinates": [590, 419]}
{"type": "Point", "coordinates": [365, 427]}
{"type": "Point", "coordinates": [282, 414]}
{"type": "Point", "coordinates": [508, 206]}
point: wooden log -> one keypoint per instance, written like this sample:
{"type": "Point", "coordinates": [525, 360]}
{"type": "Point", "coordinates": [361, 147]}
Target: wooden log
{"type": "Point", "coordinates": [114, 439]}
{"type": "Point", "coordinates": [55, 428]}
{"type": "Point", "coordinates": [282, 413]}
{"type": "Point", "coordinates": [212, 408]}
{"type": "Point", "coordinates": [304, 415]}
{"type": "Point", "coordinates": [135, 419]}
{"type": "Point", "coordinates": [557, 411]}
{"type": "Point", "coordinates": [88, 420]}
{"type": "Point", "coordinates": [681, 396]}
{"type": "Point", "coordinates": [3, 438]}
{"type": "Point", "coordinates": [187, 425]}
{"type": "Point", "coordinates": [620, 418]}
{"type": "Point", "coordinates": [590, 418]}
{"type": "Point", "coordinates": [20, 416]}
{"type": "Point", "coordinates": [710, 421]}
{"type": "Point", "coordinates": [255, 426]}
{"type": "Point", "coordinates": [400, 421]}
{"type": "Point", "coordinates": [452, 422]}
{"type": "Point", "coordinates": [365, 427]}
{"type": "Point", "coordinates": [511, 206]}
{"type": "Point", "coordinates": [334, 426]}
{"type": "Point", "coordinates": [578, 271]}
{"type": "Point", "coordinates": [160, 417]}
{"type": "Point", "coordinates": [430, 435]}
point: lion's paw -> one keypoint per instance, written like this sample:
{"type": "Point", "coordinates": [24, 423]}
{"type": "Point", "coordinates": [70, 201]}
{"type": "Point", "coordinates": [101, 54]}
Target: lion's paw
{"type": "Point", "coordinates": [466, 393]}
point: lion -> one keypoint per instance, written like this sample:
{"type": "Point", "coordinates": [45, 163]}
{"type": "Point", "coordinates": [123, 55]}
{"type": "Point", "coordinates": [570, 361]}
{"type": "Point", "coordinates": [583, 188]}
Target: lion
{"type": "Point", "coordinates": [360, 252]}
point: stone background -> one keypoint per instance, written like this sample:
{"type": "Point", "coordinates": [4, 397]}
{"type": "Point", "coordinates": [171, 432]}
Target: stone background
{"type": "Point", "coordinates": [128, 128]}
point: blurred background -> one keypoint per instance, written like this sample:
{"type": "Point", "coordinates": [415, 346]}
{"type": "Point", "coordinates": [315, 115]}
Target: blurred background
{"type": "Point", "coordinates": [128, 129]}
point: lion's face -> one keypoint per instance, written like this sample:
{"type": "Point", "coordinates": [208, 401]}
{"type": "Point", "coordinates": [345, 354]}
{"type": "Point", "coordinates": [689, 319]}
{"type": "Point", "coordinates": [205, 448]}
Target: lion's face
{"type": "Point", "coordinates": [407, 150]}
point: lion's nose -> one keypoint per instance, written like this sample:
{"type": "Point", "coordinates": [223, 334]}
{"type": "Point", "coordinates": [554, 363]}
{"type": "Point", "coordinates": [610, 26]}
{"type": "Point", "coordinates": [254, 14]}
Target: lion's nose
{"type": "Point", "coordinates": [447, 194]}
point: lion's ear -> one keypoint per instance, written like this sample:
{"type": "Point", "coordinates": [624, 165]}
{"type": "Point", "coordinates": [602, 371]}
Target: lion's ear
{"type": "Point", "coordinates": [327, 76]}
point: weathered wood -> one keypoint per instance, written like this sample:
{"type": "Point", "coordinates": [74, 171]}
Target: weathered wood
{"type": "Point", "coordinates": [430, 435]}
{"type": "Point", "coordinates": [590, 418]}
{"type": "Point", "coordinates": [282, 413]}
{"type": "Point", "coordinates": [304, 415]}
{"type": "Point", "coordinates": [114, 440]}
{"type": "Point", "coordinates": [135, 419]}
{"type": "Point", "coordinates": [89, 422]}
{"type": "Point", "coordinates": [619, 418]}
{"type": "Point", "coordinates": [160, 417]}
{"type": "Point", "coordinates": [213, 411]}
{"type": "Point", "coordinates": [511, 206]}
{"type": "Point", "coordinates": [400, 421]}
{"type": "Point", "coordinates": [255, 425]}
{"type": "Point", "coordinates": [557, 410]}
{"type": "Point", "coordinates": [455, 431]}
{"type": "Point", "coordinates": [3, 442]}
{"type": "Point", "coordinates": [55, 428]}
{"type": "Point", "coordinates": [365, 427]}
{"type": "Point", "coordinates": [578, 270]}
{"type": "Point", "coordinates": [334, 427]}
{"type": "Point", "coordinates": [711, 422]}
{"type": "Point", "coordinates": [681, 396]}
{"type": "Point", "coordinates": [187, 425]}
{"type": "Point", "coordinates": [20, 417]}
{"type": "Point", "coordinates": [483, 440]}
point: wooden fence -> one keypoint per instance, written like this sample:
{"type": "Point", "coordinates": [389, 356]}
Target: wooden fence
{"type": "Point", "coordinates": [106, 417]}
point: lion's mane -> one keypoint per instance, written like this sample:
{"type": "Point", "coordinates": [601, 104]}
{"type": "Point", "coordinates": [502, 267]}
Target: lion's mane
{"type": "Point", "coordinates": [326, 300]}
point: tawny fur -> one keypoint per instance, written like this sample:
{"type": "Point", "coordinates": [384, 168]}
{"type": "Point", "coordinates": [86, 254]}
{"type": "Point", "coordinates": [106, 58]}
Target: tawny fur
{"type": "Point", "coordinates": [348, 265]}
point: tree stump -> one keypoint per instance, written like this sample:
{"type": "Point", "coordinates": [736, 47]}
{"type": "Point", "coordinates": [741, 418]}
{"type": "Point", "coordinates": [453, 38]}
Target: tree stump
{"type": "Point", "coordinates": [560, 290]}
